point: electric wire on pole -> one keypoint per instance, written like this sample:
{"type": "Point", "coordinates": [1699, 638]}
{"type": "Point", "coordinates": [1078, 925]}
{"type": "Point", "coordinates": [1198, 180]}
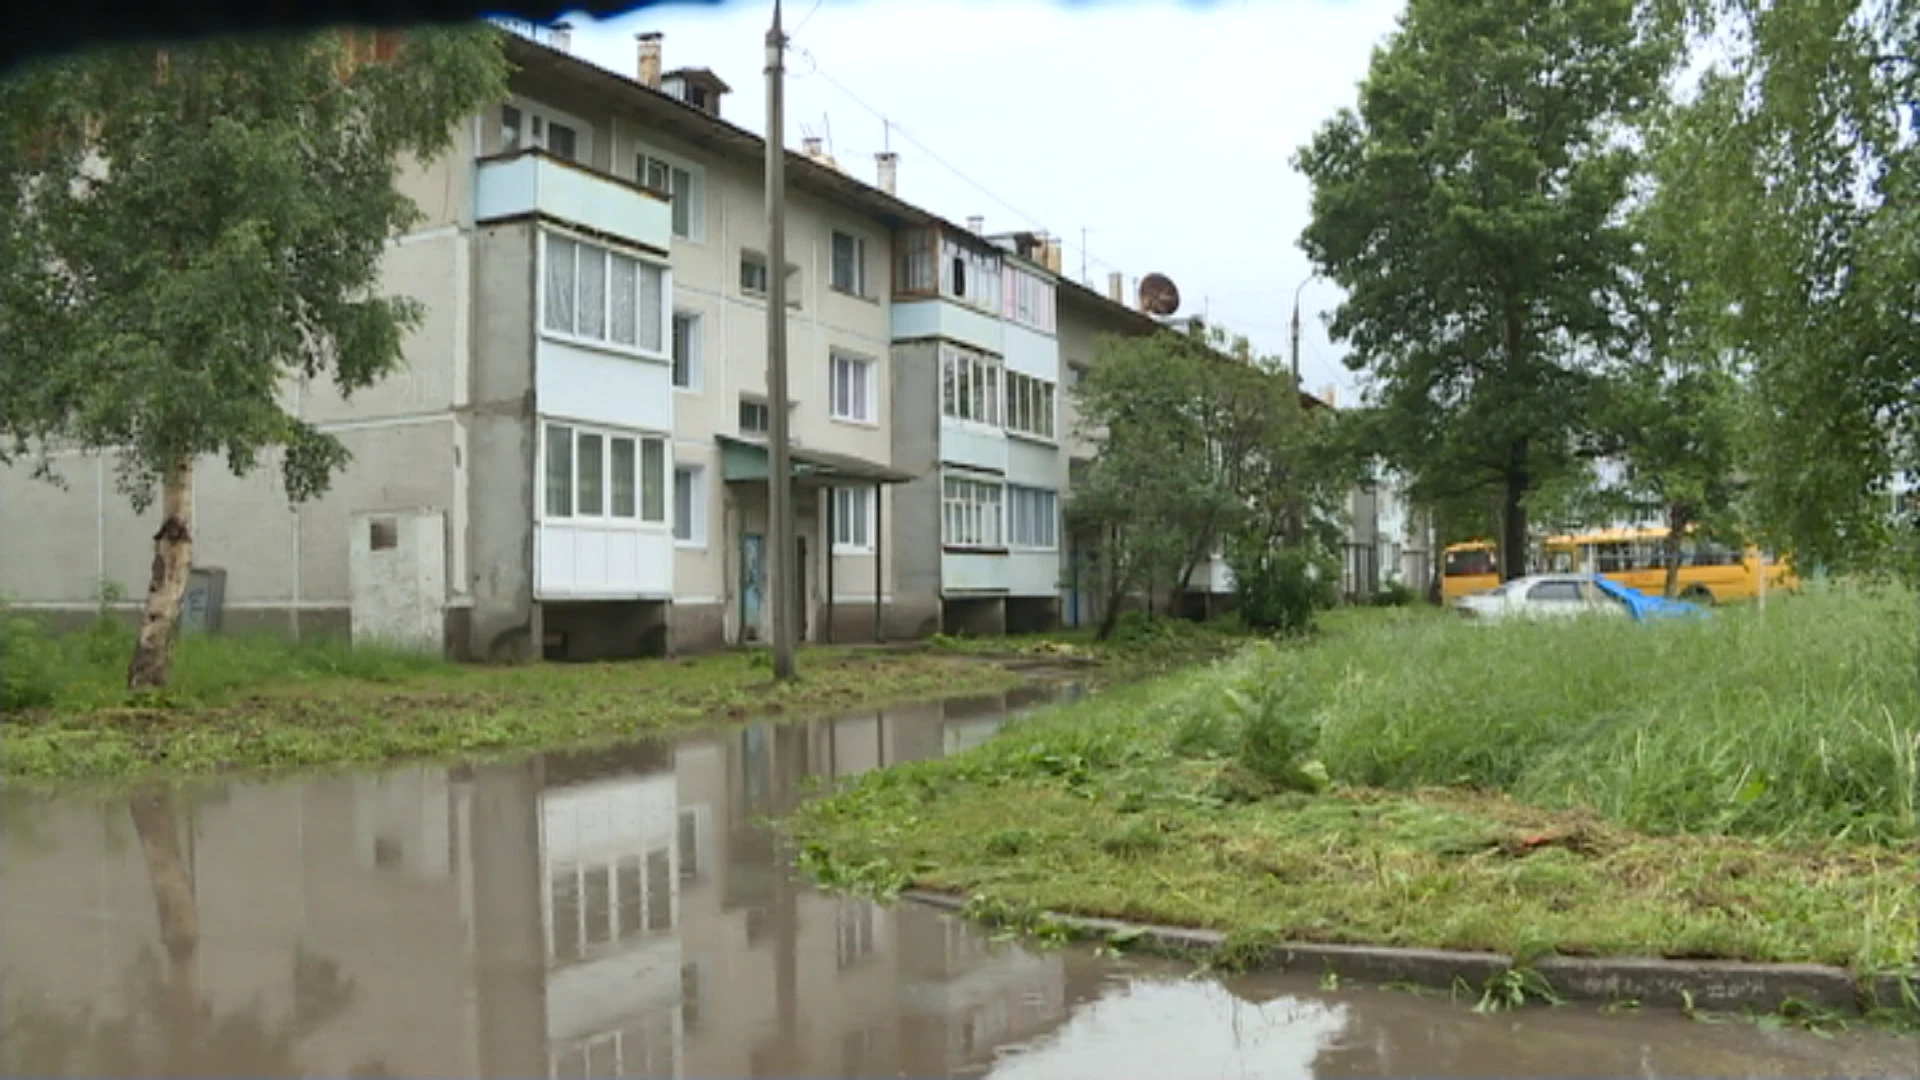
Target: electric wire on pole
{"type": "Point", "coordinates": [783, 586]}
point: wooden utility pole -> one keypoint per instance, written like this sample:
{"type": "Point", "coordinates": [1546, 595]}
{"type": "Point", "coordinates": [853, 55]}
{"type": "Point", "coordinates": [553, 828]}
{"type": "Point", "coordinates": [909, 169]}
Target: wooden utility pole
{"type": "Point", "coordinates": [779, 472]}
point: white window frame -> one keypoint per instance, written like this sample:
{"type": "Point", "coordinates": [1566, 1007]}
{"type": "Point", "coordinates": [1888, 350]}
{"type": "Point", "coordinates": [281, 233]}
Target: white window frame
{"type": "Point", "coordinates": [853, 520]}
{"type": "Point", "coordinates": [605, 517]}
{"type": "Point", "coordinates": [961, 370]}
{"type": "Point", "coordinates": [972, 512]}
{"type": "Point", "coordinates": [586, 248]}
{"type": "Point", "coordinates": [696, 532]}
{"type": "Point", "coordinates": [643, 155]}
{"type": "Point", "coordinates": [1042, 532]}
{"type": "Point", "coordinates": [980, 287]}
{"type": "Point", "coordinates": [694, 343]}
{"type": "Point", "coordinates": [867, 412]}
{"type": "Point", "coordinates": [1037, 397]}
{"type": "Point", "coordinates": [547, 114]}
{"type": "Point", "coordinates": [793, 278]}
{"type": "Point", "coordinates": [1026, 298]}
{"type": "Point", "coordinates": [858, 287]}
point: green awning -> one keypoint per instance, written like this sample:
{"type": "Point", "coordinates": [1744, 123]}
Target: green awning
{"type": "Point", "coordinates": [745, 461]}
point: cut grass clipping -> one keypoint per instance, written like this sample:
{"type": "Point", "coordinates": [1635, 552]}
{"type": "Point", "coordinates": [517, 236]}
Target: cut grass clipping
{"type": "Point", "coordinates": [260, 702]}
{"type": "Point", "coordinates": [1740, 788]}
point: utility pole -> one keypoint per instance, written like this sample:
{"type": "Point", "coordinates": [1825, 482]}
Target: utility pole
{"type": "Point", "coordinates": [1083, 256]}
{"type": "Point", "coordinates": [779, 471]}
{"type": "Point", "coordinates": [1294, 334]}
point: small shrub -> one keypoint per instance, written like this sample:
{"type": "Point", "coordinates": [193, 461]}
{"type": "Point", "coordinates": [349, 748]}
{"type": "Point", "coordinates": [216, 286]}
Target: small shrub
{"type": "Point", "coordinates": [1278, 733]}
{"type": "Point", "coordinates": [1394, 594]}
{"type": "Point", "coordinates": [1280, 588]}
{"type": "Point", "coordinates": [1008, 842]}
{"type": "Point", "coordinates": [29, 664]}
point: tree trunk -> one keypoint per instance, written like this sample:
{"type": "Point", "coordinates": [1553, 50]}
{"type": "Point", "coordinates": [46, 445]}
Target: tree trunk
{"type": "Point", "coordinates": [1676, 525]}
{"type": "Point", "coordinates": [1513, 517]}
{"type": "Point", "coordinates": [157, 823]}
{"type": "Point", "coordinates": [172, 558]}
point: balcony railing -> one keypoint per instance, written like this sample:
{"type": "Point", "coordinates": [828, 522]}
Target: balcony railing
{"type": "Point", "coordinates": [531, 182]}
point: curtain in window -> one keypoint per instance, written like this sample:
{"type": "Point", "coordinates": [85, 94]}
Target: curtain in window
{"type": "Point", "coordinates": [591, 501]}
{"type": "Point", "coordinates": [560, 283]}
{"type": "Point", "coordinates": [621, 288]}
{"type": "Point", "coordinates": [559, 454]}
{"type": "Point", "coordinates": [592, 314]}
{"type": "Point", "coordinates": [623, 493]}
{"type": "Point", "coordinates": [652, 313]}
{"type": "Point", "coordinates": [653, 480]}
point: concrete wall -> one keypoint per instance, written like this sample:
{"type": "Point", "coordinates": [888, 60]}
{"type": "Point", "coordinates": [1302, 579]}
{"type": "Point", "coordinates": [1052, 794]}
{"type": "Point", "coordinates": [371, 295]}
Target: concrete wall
{"type": "Point", "coordinates": [501, 448]}
{"type": "Point", "coordinates": [914, 532]}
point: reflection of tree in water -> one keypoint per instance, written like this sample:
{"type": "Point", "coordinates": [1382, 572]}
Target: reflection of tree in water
{"type": "Point", "coordinates": [159, 1033]}
{"type": "Point", "coordinates": [169, 1026]}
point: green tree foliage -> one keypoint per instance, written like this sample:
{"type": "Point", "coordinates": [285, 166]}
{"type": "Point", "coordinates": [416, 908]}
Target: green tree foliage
{"type": "Point", "coordinates": [1201, 446]}
{"type": "Point", "coordinates": [1797, 163]}
{"type": "Point", "coordinates": [1470, 207]}
{"type": "Point", "coordinates": [190, 228]}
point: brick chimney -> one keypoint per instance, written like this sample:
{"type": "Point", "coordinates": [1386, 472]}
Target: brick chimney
{"type": "Point", "coordinates": [1116, 288]}
{"type": "Point", "coordinates": [888, 164]}
{"type": "Point", "coordinates": [649, 58]}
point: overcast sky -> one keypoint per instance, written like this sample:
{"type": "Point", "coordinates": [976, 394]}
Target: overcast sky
{"type": "Point", "coordinates": [1163, 129]}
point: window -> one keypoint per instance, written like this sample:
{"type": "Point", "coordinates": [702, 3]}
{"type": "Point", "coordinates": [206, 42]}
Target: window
{"type": "Point", "coordinates": [855, 936]}
{"type": "Point", "coordinates": [970, 514]}
{"type": "Point", "coordinates": [1555, 592]}
{"type": "Point", "coordinates": [849, 263]}
{"type": "Point", "coordinates": [689, 505]}
{"type": "Point", "coordinates": [850, 394]}
{"type": "Point", "coordinates": [1033, 516]}
{"type": "Point", "coordinates": [686, 350]}
{"type": "Point", "coordinates": [1029, 405]}
{"type": "Point", "coordinates": [969, 276]}
{"type": "Point", "coordinates": [853, 520]}
{"type": "Point", "coordinates": [679, 185]}
{"type": "Point", "coordinates": [601, 295]}
{"type": "Point", "coordinates": [916, 272]}
{"type": "Point", "coordinates": [525, 126]}
{"type": "Point", "coordinates": [755, 417]}
{"type": "Point", "coordinates": [969, 386]}
{"type": "Point", "coordinates": [753, 277]}
{"type": "Point", "coordinates": [1027, 298]}
{"type": "Point", "coordinates": [595, 474]}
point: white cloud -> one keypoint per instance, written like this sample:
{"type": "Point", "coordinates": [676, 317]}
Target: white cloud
{"type": "Point", "coordinates": [1165, 130]}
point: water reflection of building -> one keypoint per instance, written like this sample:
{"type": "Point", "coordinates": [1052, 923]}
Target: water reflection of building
{"type": "Point", "coordinates": [621, 913]}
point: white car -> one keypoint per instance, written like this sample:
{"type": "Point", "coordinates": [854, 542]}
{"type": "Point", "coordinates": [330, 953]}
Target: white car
{"type": "Point", "coordinates": [1541, 596]}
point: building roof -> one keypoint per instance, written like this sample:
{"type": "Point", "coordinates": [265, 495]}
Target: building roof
{"type": "Point", "coordinates": [701, 75]}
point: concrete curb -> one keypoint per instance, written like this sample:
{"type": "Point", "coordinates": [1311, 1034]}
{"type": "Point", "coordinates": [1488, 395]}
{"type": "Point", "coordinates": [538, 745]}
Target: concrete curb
{"type": "Point", "coordinates": [1718, 985]}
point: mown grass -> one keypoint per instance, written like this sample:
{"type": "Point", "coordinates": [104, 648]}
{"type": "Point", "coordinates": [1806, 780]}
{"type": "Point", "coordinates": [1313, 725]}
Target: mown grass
{"type": "Point", "coordinates": [1739, 788]}
{"type": "Point", "coordinates": [264, 703]}
{"type": "Point", "coordinates": [1141, 645]}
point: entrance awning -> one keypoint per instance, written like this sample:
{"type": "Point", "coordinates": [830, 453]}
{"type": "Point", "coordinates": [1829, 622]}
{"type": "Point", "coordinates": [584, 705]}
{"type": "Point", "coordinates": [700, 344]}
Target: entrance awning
{"type": "Point", "coordinates": [744, 460]}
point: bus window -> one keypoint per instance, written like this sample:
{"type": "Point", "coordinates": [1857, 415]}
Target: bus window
{"type": "Point", "coordinates": [1470, 563]}
{"type": "Point", "coordinates": [1561, 562]}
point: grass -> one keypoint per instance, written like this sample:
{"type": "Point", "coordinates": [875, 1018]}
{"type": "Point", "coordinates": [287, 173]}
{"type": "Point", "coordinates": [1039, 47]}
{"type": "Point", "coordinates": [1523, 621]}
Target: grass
{"type": "Point", "coordinates": [263, 703]}
{"type": "Point", "coordinates": [1140, 645]}
{"type": "Point", "coordinates": [1737, 788]}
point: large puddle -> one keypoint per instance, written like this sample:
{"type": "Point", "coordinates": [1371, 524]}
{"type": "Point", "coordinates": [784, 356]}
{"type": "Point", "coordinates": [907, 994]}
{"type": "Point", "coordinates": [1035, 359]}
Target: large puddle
{"type": "Point", "coordinates": [622, 913]}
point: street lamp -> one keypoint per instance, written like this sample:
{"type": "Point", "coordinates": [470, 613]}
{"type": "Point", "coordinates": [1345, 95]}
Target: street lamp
{"type": "Point", "coordinates": [1295, 331]}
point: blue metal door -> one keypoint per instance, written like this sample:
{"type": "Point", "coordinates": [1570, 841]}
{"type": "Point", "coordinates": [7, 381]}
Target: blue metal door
{"type": "Point", "coordinates": [753, 583]}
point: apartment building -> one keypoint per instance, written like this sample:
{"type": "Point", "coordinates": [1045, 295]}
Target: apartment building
{"type": "Point", "coordinates": [572, 461]}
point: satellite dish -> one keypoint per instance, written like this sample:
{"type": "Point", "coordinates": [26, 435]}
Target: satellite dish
{"type": "Point", "coordinates": [1158, 296]}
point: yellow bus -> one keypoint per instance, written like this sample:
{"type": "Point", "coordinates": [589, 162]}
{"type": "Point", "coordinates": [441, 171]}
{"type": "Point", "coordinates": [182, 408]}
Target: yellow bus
{"type": "Point", "coordinates": [1709, 572]}
{"type": "Point", "coordinates": [1466, 568]}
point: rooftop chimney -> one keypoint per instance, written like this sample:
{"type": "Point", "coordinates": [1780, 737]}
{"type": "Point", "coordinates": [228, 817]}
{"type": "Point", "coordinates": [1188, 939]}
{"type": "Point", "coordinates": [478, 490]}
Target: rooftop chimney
{"type": "Point", "coordinates": [1052, 253]}
{"type": "Point", "coordinates": [562, 36]}
{"type": "Point", "coordinates": [649, 59]}
{"type": "Point", "coordinates": [810, 146]}
{"type": "Point", "coordinates": [977, 225]}
{"type": "Point", "coordinates": [889, 166]}
{"type": "Point", "coordinates": [1330, 394]}
{"type": "Point", "coordinates": [1116, 286]}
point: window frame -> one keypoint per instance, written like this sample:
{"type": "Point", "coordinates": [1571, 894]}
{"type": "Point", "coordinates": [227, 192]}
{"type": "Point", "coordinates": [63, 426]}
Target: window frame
{"type": "Point", "coordinates": [1037, 398]}
{"type": "Point", "coordinates": [1045, 508]}
{"type": "Point", "coordinates": [868, 415]}
{"type": "Point", "coordinates": [966, 518]}
{"type": "Point", "coordinates": [983, 370]}
{"type": "Point", "coordinates": [643, 154]}
{"type": "Point", "coordinates": [695, 362]}
{"type": "Point", "coordinates": [530, 110]}
{"type": "Point", "coordinates": [858, 288]}
{"type": "Point", "coordinates": [860, 498]}
{"type": "Point", "coordinates": [1027, 298]}
{"type": "Point", "coordinates": [606, 343]}
{"type": "Point", "coordinates": [793, 278]}
{"type": "Point", "coordinates": [696, 537]}
{"type": "Point", "coordinates": [604, 517]}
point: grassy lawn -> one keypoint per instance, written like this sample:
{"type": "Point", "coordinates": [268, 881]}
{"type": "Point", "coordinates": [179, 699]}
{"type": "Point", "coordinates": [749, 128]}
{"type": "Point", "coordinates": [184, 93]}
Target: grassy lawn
{"type": "Point", "coordinates": [1740, 788]}
{"type": "Point", "coordinates": [1140, 645]}
{"type": "Point", "coordinates": [247, 702]}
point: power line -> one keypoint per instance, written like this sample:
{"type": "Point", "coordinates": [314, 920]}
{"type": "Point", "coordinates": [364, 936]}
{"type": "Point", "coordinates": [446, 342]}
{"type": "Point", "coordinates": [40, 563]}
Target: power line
{"type": "Point", "coordinates": [893, 126]}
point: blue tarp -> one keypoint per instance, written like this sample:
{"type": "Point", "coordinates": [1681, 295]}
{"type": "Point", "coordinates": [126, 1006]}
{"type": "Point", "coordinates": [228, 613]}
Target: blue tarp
{"type": "Point", "coordinates": [1643, 607]}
